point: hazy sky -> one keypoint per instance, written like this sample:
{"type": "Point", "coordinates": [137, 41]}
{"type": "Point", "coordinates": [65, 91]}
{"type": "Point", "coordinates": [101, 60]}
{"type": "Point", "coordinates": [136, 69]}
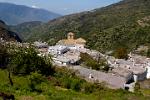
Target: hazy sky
{"type": "Point", "coordinates": [64, 6]}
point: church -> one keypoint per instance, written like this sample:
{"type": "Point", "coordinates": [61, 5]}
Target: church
{"type": "Point", "coordinates": [72, 43]}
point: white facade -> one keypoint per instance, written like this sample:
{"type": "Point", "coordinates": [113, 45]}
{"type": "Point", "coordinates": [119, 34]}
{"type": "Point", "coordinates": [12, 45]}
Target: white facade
{"type": "Point", "coordinates": [148, 72]}
{"type": "Point", "coordinates": [72, 47]}
{"type": "Point", "coordinates": [40, 44]}
{"type": "Point", "coordinates": [57, 50]}
{"type": "Point", "coordinates": [76, 47]}
{"type": "Point", "coordinates": [61, 61]}
{"type": "Point", "coordinates": [135, 78]}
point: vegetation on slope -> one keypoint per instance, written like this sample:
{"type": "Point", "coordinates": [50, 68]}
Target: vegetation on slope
{"type": "Point", "coordinates": [63, 85]}
{"type": "Point", "coordinates": [6, 34]}
{"type": "Point", "coordinates": [124, 24]}
{"type": "Point", "coordinates": [25, 28]}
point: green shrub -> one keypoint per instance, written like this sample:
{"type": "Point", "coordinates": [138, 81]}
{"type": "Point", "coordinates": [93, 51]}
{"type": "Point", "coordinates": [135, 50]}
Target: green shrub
{"type": "Point", "coordinates": [121, 53]}
{"type": "Point", "coordinates": [35, 80]}
{"type": "Point", "coordinates": [87, 88]}
{"type": "Point", "coordinates": [94, 64]}
{"type": "Point", "coordinates": [76, 84]}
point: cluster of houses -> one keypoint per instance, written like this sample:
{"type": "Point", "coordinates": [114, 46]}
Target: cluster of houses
{"type": "Point", "coordinates": [67, 52]}
{"type": "Point", "coordinates": [136, 68]}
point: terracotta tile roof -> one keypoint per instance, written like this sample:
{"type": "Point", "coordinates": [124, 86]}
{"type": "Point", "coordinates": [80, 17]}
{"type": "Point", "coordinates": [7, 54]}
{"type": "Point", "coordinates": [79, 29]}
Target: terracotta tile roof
{"type": "Point", "coordinates": [80, 40]}
{"type": "Point", "coordinates": [71, 40]}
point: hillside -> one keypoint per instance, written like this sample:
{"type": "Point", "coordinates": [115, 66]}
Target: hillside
{"type": "Point", "coordinates": [16, 14]}
{"type": "Point", "coordinates": [23, 29]}
{"type": "Point", "coordinates": [6, 34]}
{"type": "Point", "coordinates": [52, 92]}
{"type": "Point", "coordinates": [104, 29]}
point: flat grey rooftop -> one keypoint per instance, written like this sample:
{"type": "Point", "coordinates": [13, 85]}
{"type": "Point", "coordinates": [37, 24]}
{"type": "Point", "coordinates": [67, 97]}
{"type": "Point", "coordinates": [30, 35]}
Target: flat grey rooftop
{"type": "Point", "coordinates": [111, 80]}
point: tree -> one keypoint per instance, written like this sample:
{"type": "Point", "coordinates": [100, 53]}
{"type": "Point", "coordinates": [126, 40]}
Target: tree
{"type": "Point", "coordinates": [25, 60]}
{"type": "Point", "coordinates": [148, 53]}
{"type": "Point", "coordinates": [4, 56]}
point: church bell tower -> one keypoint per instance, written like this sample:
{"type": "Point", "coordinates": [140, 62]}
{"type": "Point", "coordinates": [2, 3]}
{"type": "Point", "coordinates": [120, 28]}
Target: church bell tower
{"type": "Point", "coordinates": [70, 36]}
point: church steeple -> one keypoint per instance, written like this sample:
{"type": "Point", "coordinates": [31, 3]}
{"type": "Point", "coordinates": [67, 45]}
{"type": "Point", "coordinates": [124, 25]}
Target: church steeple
{"type": "Point", "coordinates": [70, 35]}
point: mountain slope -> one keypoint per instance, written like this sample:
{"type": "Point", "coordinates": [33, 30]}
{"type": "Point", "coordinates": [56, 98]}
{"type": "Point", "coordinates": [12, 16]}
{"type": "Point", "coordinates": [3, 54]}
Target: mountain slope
{"type": "Point", "coordinates": [16, 14]}
{"type": "Point", "coordinates": [104, 29]}
{"type": "Point", "coordinates": [6, 34]}
{"type": "Point", "coordinates": [23, 29]}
